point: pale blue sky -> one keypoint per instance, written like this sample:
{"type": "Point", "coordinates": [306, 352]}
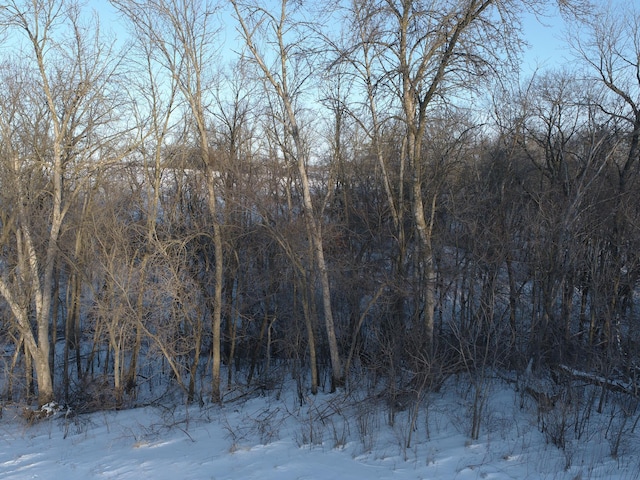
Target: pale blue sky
{"type": "Point", "coordinates": [546, 39]}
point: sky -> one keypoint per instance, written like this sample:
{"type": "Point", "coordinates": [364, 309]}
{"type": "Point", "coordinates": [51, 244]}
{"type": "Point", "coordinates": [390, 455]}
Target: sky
{"type": "Point", "coordinates": [545, 38]}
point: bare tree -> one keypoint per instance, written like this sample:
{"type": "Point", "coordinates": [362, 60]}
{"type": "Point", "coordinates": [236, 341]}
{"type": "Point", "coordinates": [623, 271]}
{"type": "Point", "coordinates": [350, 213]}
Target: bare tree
{"type": "Point", "coordinates": [65, 85]}
{"type": "Point", "coordinates": [611, 50]}
{"type": "Point", "coordinates": [287, 82]}
{"type": "Point", "coordinates": [181, 34]}
{"type": "Point", "coordinates": [609, 47]}
{"type": "Point", "coordinates": [157, 107]}
{"type": "Point", "coordinates": [412, 57]}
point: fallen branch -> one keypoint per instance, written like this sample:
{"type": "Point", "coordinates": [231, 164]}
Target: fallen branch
{"type": "Point", "coordinates": [629, 388]}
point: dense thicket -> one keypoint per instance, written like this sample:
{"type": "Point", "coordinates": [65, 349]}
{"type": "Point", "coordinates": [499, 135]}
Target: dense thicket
{"type": "Point", "coordinates": [368, 191]}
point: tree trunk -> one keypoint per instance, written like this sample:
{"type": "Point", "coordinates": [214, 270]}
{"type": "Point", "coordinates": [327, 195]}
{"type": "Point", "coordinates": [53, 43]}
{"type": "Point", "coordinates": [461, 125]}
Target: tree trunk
{"type": "Point", "coordinates": [216, 319]}
{"type": "Point", "coordinates": [281, 89]}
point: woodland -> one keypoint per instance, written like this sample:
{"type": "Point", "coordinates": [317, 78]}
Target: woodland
{"type": "Point", "coordinates": [217, 197]}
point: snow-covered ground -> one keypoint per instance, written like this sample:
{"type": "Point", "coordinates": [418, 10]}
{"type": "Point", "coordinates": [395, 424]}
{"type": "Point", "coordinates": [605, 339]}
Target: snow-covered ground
{"type": "Point", "coordinates": [335, 437]}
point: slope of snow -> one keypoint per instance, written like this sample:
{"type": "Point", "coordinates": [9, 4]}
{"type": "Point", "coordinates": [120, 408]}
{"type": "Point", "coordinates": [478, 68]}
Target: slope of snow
{"type": "Point", "coordinates": [334, 437]}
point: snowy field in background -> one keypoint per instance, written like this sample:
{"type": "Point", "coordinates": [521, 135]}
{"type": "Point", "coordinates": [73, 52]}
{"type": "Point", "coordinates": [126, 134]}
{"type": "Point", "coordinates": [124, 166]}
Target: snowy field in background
{"type": "Point", "coordinates": [334, 437]}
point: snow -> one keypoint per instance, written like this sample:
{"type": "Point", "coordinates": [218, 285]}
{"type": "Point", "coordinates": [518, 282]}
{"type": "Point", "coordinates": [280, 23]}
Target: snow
{"type": "Point", "coordinates": [331, 436]}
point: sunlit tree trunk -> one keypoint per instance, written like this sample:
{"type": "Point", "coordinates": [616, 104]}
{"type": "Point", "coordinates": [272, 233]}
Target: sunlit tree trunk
{"type": "Point", "coordinates": [278, 80]}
